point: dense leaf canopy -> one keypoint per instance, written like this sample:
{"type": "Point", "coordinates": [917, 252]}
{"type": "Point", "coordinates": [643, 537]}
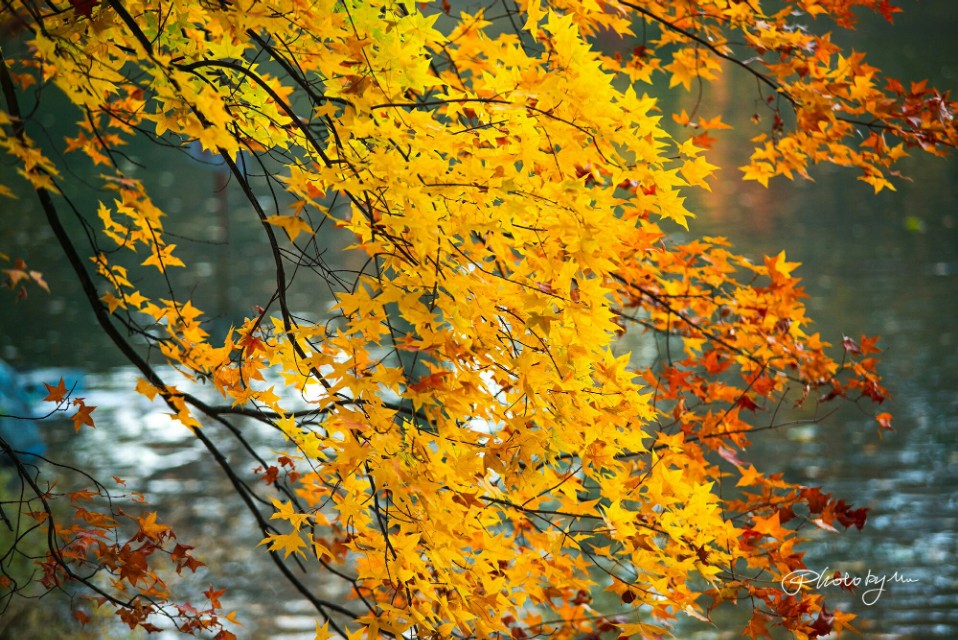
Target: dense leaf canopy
{"type": "Point", "coordinates": [529, 406]}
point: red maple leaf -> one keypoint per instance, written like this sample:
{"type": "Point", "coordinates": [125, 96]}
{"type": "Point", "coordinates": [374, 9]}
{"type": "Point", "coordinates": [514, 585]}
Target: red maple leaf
{"type": "Point", "coordinates": [822, 625]}
{"type": "Point", "coordinates": [887, 10]}
{"type": "Point", "coordinates": [84, 7]}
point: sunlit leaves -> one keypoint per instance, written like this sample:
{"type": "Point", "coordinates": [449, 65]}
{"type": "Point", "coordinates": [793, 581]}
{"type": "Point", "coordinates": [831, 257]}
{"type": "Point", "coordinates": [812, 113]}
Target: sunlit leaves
{"type": "Point", "coordinates": [292, 225]}
{"type": "Point", "coordinates": [841, 104]}
{"type": "Point", "coordinates": [472, 448]}
{"type": "Point", "coordinates": [287, 543]}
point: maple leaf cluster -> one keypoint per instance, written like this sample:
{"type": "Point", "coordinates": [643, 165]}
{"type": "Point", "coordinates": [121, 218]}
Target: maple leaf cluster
{"type": "Point", "coordinates": [19, 275]}
{"type": "Point", "coordinates": [122, 557]}
{"type": "Point", "coordinates": [527, 399]}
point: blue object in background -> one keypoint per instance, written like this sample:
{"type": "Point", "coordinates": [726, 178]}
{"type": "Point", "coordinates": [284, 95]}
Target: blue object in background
{"type": "Point", "coordinates": [21, 400]}
{"type": "Point", "coordinates": [16, 427]}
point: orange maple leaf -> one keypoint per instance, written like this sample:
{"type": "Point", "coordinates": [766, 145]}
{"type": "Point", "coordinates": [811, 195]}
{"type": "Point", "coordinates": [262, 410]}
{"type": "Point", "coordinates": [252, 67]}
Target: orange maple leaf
{"type": "Point", "coordinates": [213, 595]}
{"type": "Point", "coordinates": [82, 416]}
{"type": "Point", "coordinates": [430, 382]}
{"type": "Point", "coordinates": [150, 528]}
{"type": "Point", "coordinates": [703, 140]}
{"type": "Point", "coordinates": [770, 526]}
{"type": "Point", "coordinates": [56, 393]}
{"type": "Point", "coordinates": [884, 422]}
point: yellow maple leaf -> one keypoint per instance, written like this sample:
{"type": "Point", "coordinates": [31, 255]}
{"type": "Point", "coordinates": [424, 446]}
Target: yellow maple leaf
{"type": "Point", "coordinates": [292, 225]}
{"type": "Point", "coordinates": [322, 632]}
{"type": "Point", "coordinates": [758, 171]}
{"type": "Point", "coordinates": [696, 170]}
{"type": "Point", "coordinates": [770, 526]}
{"type": "Point", "coordinates": [288, 543]}
{"type": "Point", "coordinates": [285, 511]}
{"type": "Point", "coordinates": [162, 257]}
{"type": "Point", "coordinates": [145, 388]}
{"type": "Point", "coordinates": [151, 529]}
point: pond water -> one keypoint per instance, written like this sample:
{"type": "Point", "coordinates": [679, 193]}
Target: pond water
{"type": "Point", "coordinates": [885, 265]}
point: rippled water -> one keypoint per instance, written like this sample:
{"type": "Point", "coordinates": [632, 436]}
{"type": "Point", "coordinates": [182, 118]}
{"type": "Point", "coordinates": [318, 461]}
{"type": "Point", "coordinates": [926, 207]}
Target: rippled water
{"type": "Point", "coordinates": [137, 441]}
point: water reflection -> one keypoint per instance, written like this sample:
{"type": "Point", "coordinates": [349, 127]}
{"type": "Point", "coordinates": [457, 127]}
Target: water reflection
{"type": "Point", "coordinates": [136, 440]}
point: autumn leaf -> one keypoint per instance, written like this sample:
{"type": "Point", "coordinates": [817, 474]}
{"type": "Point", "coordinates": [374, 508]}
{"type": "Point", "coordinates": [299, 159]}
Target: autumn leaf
{"type": "Point", "coordinates": [56, 393]}
{"type": "Point", "coordinates": [322, 632]}
{"type": "Point", "coordinates": [162, 258]}
{"type": "Point", "coordinates": [285, 511]}
{"type": "Point", "coordinates": [183, 560]}
{"type": "Point", "coordinates": [779, 270]}
{"type": "Point", "coordinates": [822, 625]}
{"type": "Point", "coordinates": [770, 526]}
{"type": "Point", "coordinates": [83, 415]}
{"type": "Point", "coordinates": [703, 141]}
{"type": "Point", "coordinates": [292, 225]}
{"type": "Point", "coordinates": [430, 382]}
{"type": "Point", "coordinates": [84, 7]}
{"type": "Point", "coordinates": [730, 456]}
{"type": "Point", "coordinates": [20, 274]}
{"type": "Point", "coordinates": [884, 421]}
{"type": "Point", "coordinates": [146, 389]}
{"type": "Point", "coordinates": [214, 595]}
{"type": "Point", "coordinates": [151, 529]}
{"type": "Point", "coordinates": [287, 543]}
